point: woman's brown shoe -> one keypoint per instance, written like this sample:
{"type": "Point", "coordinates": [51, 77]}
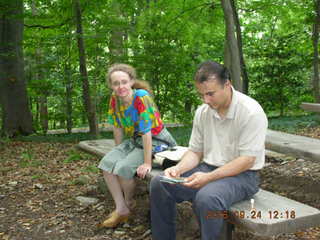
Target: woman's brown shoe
{"type": "Point", "coordinates": [114, 220]}
{"type": "Point", "coordinates": [112, 213]}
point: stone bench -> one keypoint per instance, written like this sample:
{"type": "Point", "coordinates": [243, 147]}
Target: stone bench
{"type": "Point", "coordinates": [293, 145]}
{"type": "Point", "coordinates": [311, 107]}
{"type": "Point", "coordinates": [272, 214]}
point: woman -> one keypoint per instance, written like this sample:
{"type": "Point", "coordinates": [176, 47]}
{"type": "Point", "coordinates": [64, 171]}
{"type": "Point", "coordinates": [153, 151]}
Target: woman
{"type": "Point", "coordinates": [133, 113]}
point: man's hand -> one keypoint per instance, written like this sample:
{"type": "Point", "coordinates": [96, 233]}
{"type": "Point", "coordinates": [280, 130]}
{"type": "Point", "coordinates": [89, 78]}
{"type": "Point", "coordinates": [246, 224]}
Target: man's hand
{"type": "Point", "coordinates": [197, 180]}
{"type": "Point", "coordinates": [172, 172]}
{"type": "Point", "coordinates": [143, 170]}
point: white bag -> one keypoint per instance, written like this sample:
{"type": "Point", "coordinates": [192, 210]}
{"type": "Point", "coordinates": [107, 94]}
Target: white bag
{"type": "Point", "coordinates": [173, 155]}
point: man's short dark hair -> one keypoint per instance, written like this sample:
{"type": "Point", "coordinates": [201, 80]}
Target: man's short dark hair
{"type": "Point", "coordinates": [209, 69]}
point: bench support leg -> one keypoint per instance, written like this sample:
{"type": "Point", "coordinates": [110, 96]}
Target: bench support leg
{"type": "Point", "coordinates": [227, 231]}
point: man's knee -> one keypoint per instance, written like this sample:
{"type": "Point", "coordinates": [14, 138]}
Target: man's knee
{"type": "Point", "coordinates": [208, 201]}
{"type": "Point", "coordinates": [155, 184]}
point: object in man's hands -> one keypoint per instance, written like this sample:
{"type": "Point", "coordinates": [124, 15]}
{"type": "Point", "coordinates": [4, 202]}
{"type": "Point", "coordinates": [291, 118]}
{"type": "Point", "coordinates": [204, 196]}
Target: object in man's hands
{"type": "Point", "coordinates": [172, 180]}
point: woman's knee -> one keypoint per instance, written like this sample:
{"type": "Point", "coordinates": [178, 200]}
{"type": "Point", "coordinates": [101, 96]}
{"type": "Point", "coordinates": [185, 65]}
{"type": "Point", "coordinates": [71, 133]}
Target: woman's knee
{"type": "Point", "coordinates": [106, 163]}
{"type": "Point", "coordinates": [106, 173]}
{"type": "Point", "coordinates": [124, 170]}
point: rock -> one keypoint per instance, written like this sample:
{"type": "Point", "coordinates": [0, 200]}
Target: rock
{"type": "Point", "coordinates": [92, 188]}
{"type": "Point", "coordinates": [284, 162]}
{"type": "Point", "coordinates": [38, 186]}
{"type": "Point", "coordinates": [86, 201]}
{"type": "Point", "coordinates": [13, 183]}
{"type": "Point", "coordinates": [126, 225]}
{"type": "Point", "coordinates": [139, 228]}
{"type": "Point", "coordinates": [119, 233]}
{"type": "Point", "coordinates": [82, 180]}
{"type": "Point", "coordinates": [99, 206]}
{"type": "Point", "coordinates": [102, 187]}
{"type": "Point", "coordinates": [146, 233]}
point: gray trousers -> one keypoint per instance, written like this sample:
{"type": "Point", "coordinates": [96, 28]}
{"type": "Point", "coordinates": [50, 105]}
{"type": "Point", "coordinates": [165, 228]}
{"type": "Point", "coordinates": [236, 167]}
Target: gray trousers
{"type": "Point", "coordinates": [216, 196]}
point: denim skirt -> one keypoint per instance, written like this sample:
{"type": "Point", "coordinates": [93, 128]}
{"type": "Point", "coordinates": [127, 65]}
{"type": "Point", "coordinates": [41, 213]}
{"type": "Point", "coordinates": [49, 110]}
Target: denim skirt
{"type": "Point", "coordinates": [124, 159]}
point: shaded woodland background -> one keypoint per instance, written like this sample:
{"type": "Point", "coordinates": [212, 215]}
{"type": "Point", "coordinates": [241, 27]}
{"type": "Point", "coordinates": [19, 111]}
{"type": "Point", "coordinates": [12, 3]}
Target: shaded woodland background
{"type": "Point", "coordinates": [54, 55]}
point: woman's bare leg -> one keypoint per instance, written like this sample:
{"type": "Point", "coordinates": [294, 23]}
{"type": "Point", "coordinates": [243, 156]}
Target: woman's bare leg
{"type": "Point", "coordinates": [115, 188]}
{"type": "Point", "coordinates": [128, 186]}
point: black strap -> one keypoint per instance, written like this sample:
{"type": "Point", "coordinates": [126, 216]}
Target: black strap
{"type": "Point", "coordinates": [136, 144]}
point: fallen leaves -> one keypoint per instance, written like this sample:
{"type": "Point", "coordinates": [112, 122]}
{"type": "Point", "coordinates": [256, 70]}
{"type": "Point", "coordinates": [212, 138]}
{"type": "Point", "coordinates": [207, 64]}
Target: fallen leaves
{"type": "Point", "coordinates": [38, 198]}
{"type": "Point", "coordinates": [313, 132]}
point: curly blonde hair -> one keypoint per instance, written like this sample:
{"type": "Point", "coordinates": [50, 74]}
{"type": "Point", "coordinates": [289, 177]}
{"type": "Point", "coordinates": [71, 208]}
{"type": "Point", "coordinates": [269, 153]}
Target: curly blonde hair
{"type": "Point", "coordinates": [138, 84]}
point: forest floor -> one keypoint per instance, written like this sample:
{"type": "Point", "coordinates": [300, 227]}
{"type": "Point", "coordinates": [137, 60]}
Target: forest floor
{"type": "Point", "coordinates": [39, 183]}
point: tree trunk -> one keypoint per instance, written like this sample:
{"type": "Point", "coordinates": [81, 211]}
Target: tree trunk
{"type": "Point", "coordinates": [244, 73]}
{"type": "Point", "coordinates": [67, 73]}
{"type": "Point", "coordinates": [232, 59]}
{"type": "Point", "coordinates": [43, 94]}
{"type": "Point", "coordinates": [89, 106]}
{"type": "Point", "coordinates": [44, 113]}
{"type": "Point", "coordinates": [117, 50]}
{"type": "Point", "coordinates": [16, 117]}
{"type": "Point", "coordinates": [315, 41]}
{"type": "Point", "coordinates": [116, 46]}
{"type": "Point", "coordinates": [69, 86]}
{"type": "Point", "coordinates": [39, 74]}
{"type": "Point", "coordinates": [36, 116]}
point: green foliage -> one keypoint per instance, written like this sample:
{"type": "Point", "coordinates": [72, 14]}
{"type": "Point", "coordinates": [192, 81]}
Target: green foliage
{"type": "Point", "coordinates": [278, 73]}
{"type": "Point", "coordinates": [278, 52]}
{"type": "Point", "coordinates": [81, 180]}
{"type": "Point", "coordinates": [63, 137]}
{"type": "Point", "coordinates": [181, 134]}
{"type": "Point", "coordinates": [73, 156]}
{"type": "Point", "coordinates": [35, 177]}
{"type": "Point", "coordinates": [165, 41]}
{"type": "Point", "coordinates": [158, 43]}
{"type": "Point", "coordinates": [293, 123]}
{"type": "Point", "coordinates": [28, 160]}
{"type": "Point", "coordinates": [27, 156]}
{"type": "Point", "coordinates": [91, 169]}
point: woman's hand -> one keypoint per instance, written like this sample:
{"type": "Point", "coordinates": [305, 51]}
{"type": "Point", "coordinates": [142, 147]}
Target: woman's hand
{"type": "Point", "coordinates": [143, 170]}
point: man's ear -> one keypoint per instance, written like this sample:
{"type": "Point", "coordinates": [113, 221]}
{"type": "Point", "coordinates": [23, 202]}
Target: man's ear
{"type": "Point", "coordinates": [228, 83]}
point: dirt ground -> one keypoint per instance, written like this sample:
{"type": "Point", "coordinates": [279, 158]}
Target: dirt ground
{"type": "Point", "coordinates": [39, 183]}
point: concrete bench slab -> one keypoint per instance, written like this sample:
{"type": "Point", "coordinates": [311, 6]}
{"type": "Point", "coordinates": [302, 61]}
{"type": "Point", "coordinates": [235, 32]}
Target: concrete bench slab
{"type": "Point", "coordinates": [293, 145]}
{"type": "Point", "coordinates": [272, 215]}
{"type": "Point", "coordinates": [311, 107]}
{"type": "Point", "coordinates": [290, 144]}
{"type": "Point", "coordinates": [100, 147]}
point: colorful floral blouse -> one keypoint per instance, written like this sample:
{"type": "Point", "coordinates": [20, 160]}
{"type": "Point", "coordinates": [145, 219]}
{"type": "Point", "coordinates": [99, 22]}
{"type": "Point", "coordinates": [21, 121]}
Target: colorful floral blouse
{"type": "Point", "coordinates": [141, 116]}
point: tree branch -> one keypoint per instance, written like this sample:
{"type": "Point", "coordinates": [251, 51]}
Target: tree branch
{"type": "Point", "coordinates": [48, 26]}
{"type": "Point", "coordinates": [190, 9]}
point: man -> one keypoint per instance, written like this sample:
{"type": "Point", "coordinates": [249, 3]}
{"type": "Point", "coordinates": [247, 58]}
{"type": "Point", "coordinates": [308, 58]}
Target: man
{"type": "Point", "coordinates": [226, 150]}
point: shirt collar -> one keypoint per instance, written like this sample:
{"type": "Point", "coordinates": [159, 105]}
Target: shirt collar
{"type": "Point", "coordinates": [232, 108]}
